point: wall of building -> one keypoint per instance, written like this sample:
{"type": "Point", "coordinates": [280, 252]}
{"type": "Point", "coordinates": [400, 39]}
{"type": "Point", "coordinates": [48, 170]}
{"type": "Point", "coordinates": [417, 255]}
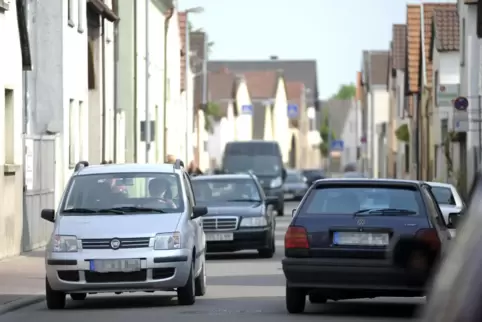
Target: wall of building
{"type": "Point", "coordinates": [401, 158]}
{"type": "Point", "coordinates": [244, 122]}
{"type": "Point", "coordinates": [281, 122]}
{"type": "Point", "coordinates": [380, 115]}
{"type": "Point", "coordinates": [351, 135]}
{"type": "Point", "coordinates": [11, 148]}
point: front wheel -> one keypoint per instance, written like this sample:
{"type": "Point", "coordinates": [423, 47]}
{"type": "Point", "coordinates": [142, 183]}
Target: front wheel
{"type": "Point", "coordinates": [55, 299]}
{"type": "Point", "coordinates": [200, 283]}
{"type": "Point", "coordinates": [186, 295]}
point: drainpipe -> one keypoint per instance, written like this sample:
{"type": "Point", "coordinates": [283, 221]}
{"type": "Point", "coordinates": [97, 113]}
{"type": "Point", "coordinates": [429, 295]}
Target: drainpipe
{"type": "Point", "coordinates": [147, 127]}
{"type": "Point", "coordinates": [104, 101]}
{"type": "Point", "coordinates": [136, 118]}
{"type": "Point", "coordinates": [116, 80]}
{"type": "Point", "coordinates": [168, 15]}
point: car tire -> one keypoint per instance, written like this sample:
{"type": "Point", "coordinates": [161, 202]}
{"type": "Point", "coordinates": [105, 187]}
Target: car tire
{"type": "Point", "coordinates": [317, 299]}
{"type": "Point", "coordinates": [200, 284]}
{"type": "Point", "coordinates": [268, 252]}
{"type": "Point", "coordinates": [280, 211]}
{"type": "Point", "coordinates": [295, 300]}
{"type": "Point", "coordinates": [55, 299]}
{"type": "Point", "coordinates": [78, 296]}
{"type": "Point", "coordinates": [186, 295]}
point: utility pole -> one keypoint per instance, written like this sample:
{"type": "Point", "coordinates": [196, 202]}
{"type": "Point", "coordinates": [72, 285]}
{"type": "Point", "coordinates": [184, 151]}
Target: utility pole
{"type": "Point", "coordinates": [147, 127]}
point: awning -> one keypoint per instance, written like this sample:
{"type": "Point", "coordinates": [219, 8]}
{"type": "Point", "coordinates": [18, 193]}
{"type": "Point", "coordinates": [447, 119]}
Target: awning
{"type": "Point", "coordinates": [102, 9]}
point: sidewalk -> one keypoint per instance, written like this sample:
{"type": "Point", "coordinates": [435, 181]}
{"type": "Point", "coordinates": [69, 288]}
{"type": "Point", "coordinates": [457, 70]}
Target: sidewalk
{"type": "Point", "coordinates": [23, 281]}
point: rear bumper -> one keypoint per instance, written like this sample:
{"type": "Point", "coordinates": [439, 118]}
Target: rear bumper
{"type": "Point", "coordinates": [342, 274]}
{"type": "Point", "coordinates": [244, 239]}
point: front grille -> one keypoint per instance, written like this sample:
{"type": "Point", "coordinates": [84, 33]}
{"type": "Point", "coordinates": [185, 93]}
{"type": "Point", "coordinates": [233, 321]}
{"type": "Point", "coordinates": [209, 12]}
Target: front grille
{"type": "Point", "coordinates": [220, 223]}
{"type": "Point", "coordinates": [104, 243]}
{"type": "Point", "coordinates": [94, 277]}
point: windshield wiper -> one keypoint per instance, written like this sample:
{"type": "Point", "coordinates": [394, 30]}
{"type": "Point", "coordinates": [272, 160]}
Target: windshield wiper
{"type": "Point", "coordinates": [384, 212]}
{"type": "Point", "coordinates": [123, 210]}
{"type": "Point", "coordinates": [80, 210]}
{"type": "Point", "coordinates": [245, 200]}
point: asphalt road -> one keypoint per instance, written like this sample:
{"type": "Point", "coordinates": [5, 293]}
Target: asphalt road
{"type": "Point", "coordinates": [241, 287]}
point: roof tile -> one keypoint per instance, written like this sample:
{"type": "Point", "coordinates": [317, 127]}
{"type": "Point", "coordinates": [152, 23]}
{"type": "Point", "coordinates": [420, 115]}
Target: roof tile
{"type": "Point", "coordinates": [446, 24]}
{"type": "Point", "coordinates": [261, 84]}
{"type": "Point", "coordinates": [413, 48]}
{"type": "Point", "coordinates": [379, 62]}
{"type": "Point", "coordinates": [399, 53]}
{"type": "Point", "coordinates": [294, 93]}
{"type": "Point", "coordinates": [221, 88]}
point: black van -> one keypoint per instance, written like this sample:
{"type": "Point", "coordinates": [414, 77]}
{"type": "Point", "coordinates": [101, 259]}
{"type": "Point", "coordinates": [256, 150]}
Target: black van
{"type": "Point", "coordinates": [264, 159]}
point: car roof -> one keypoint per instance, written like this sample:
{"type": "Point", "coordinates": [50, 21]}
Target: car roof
{"type": "Point", "coordinates": [223, 176]}
{"type": "Point", "coordinates": [367, 180]}
{"type": "Point", "coordinates": [439, 184]}
{"type": "Point", "coordinates": [126, 168]}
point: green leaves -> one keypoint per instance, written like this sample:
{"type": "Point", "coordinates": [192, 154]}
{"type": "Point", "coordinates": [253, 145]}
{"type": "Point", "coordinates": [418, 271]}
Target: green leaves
{"type": "Point", "coordinates": [345, 92]}
{"type": "Point", "coordinates": [325, 134]}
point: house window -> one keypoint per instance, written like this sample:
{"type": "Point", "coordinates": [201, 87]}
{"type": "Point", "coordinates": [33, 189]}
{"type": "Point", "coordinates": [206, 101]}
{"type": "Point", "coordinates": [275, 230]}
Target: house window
{"type": "Point", "coordinates": [152, 129]}
{"type": "Point", "coordinates": [462, 45]}
{"type": "Point", "coordinates": [81, 15]}
{"type": "Point", "coordinates": [9, 127]}
{"type": "Point", "coordinates": [70, 12]}
{"type": "Point", "coordinates": [72, 133]}
{"type": "Point", "coordinates": [81, 124]}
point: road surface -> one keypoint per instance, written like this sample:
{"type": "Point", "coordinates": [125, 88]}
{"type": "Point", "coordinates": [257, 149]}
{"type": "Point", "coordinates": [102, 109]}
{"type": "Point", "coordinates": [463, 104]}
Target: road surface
{"type": "Point", "coordinates": [241, 287]}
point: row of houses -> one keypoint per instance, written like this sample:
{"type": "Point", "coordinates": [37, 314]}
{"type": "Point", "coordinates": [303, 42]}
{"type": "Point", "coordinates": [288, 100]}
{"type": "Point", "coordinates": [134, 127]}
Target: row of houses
{"type": "Point", "coordinates": [90, 80]}
{"type": "Point", "coordinates": [263, 105]}
{"type": "Point", "coordinates": [420, 100]}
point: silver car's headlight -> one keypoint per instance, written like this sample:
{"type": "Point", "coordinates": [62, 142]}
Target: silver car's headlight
{"type": "Point", "coordinates": [167, 241]}
{"type": "Point", "coordinates": [64, 244]}
{"type": "Point", "coordinates": [254, 222]}
{"type": "Point", "coordinates": [276, 182]}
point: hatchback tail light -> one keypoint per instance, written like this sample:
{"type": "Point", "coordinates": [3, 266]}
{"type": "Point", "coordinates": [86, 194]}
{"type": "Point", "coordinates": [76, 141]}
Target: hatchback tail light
{"type": "Point", "coordinates": [296, 237]}
{"type": "Point", "coordinates": [430, 237]}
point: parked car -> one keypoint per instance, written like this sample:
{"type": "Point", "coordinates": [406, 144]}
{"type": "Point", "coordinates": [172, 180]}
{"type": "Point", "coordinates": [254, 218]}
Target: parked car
{"type": "Point", "coordinates": [240, 216]}
{"type": "Point", "coordinates": [312, 175]}
{"type": "Point", "coordinates": [336, 248]}
{"type": "Point", "coordinates": [263, 158]}
{"type": "Point", "coordinates": [448, 198]}
{"type": "Point", "coordinates": [109, 241]}
{"type": "Point", "coordinates": [295, 185]}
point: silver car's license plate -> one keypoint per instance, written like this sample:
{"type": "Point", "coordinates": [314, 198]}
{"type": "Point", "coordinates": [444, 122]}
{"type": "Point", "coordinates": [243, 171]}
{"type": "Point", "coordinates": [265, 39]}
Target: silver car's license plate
{"type": "Point", "coordinates": [115, 265]}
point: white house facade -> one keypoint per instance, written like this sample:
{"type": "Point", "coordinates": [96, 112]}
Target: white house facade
{"type": "Point", "coordinates": [350, 135]}
{"type": "Point", "coordinates": [11, 145]}
{"type": "Point", "coordinates": [243, 130]}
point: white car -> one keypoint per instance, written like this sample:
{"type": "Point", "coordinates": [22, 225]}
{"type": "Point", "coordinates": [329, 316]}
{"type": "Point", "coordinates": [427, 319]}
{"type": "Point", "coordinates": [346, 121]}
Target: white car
{"type": "Point", "coordinates": [447, 197]}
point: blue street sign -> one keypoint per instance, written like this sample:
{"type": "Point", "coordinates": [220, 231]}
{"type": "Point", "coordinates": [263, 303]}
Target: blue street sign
{"type": "Point", "coordinates": [292, 111]}
{"type": "Point", "coordinates": [247, 109]}
{"type": "Point", "coordinates": [337, 145]}
{"type": "Point", "coordinates": [461, 103]}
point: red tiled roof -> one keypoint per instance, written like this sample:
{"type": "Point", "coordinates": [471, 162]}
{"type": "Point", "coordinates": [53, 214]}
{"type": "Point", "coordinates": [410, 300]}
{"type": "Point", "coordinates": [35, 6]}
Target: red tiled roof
{"type": "Point", "coordinates": [261, 84]}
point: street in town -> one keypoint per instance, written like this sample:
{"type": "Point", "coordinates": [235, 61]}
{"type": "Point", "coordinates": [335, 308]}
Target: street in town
{"type": "Point", "coordinates": [241, 287]}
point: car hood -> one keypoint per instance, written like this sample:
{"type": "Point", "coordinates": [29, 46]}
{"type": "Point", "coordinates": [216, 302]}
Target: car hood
{"type": "Point", "coordinates": [123, 226]}
{"type": "Point", "coordinates": [246, 210]}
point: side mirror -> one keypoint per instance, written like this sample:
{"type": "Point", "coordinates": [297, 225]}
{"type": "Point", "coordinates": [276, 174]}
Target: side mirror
{"type": "Point", "coordinates": [293, 212]}
{"type": "Point", "coordinates": [453, 220]}
{"type": "Point", "coordinates": [283, 174]}
{"type": "Point", "coordinates": [48, 214]}
{"type": "Point", "coordinates": [199, 211]}
{"type": "Point", "coordinates": [271, 200]}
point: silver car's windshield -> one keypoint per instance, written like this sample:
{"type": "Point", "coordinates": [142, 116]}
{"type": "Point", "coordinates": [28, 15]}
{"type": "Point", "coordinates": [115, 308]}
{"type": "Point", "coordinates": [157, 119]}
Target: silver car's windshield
{"type": "Point", "coordinates": [122, 193]}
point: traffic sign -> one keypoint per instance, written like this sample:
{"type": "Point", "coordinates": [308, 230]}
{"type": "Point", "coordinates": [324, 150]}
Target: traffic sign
{"type": "Point", "coordinates": [247, 109]}
{"type": "Point", "coordinates": [292, 111]}
{"type": "Point", "coordinates": [461, 103]}
{"type": "Point", "coordinates": [337, 145]}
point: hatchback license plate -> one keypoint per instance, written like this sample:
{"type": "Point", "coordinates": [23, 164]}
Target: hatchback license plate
{"type": "Point", "coordinates": [219, 237]}
{"type": "Point", "coordinates": [360, 239]}
{"type": "Point", "coordinates": [115, 265]}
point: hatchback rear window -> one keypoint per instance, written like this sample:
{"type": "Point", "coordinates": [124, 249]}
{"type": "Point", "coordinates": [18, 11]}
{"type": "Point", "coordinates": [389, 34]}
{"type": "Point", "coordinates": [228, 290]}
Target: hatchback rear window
{"type": "Point", "coordinates": [348, 200]}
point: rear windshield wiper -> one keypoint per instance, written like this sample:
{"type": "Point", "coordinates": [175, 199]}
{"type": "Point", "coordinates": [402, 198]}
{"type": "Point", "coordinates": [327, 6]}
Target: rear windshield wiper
{"type": "Point", "coordinates": [384, 212]}
{"type": "Point", "coordinates": [123, 210]}
{"type": "Point", "coordinates": [246, 200]}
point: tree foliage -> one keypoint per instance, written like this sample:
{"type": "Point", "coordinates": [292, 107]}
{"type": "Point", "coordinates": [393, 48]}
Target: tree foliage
{"type": "Point", "coordinates": [325, 134]}
{"type": "Point", "coordinates": [346, 91]}
{"type": "Point", "coordinates": [213, 111]}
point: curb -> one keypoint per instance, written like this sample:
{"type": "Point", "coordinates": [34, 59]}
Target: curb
{"type": "Point", "coordinates": [20, 303]}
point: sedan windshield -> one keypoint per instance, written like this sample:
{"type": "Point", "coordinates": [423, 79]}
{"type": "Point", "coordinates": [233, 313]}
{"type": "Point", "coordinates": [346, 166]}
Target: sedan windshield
{"type": "Point", "coordinates": [122, 193]}
{"type": "Point", "coordinates": [219, 191]}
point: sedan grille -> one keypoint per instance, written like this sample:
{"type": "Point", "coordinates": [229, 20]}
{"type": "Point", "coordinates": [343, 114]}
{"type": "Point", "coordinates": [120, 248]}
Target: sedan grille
{"type": "Point", "coordinates": [104, 243]}
{"type": "Point", "coordinates": [220, 223]}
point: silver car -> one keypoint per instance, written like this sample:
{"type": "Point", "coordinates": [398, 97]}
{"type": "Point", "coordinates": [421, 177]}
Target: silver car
{"type": "Point", "coordinates": [125, 228]}
{"type": "Point", "coordinates": [448, 198]}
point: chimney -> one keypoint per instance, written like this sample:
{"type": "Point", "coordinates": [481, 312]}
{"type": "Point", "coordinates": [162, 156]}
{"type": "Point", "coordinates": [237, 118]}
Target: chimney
{"type": "Point", "coordinates": [273, 57]}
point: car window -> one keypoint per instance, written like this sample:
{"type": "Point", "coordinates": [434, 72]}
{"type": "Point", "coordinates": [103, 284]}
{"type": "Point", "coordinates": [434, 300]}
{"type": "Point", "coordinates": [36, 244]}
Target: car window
{"type": "Point", "coordinates": [349, 199]}
{"type": "Point", "coordinates": [112, 190]}
{"type": "Point", "coordinates": [293, 177]}
{"type": "Point", "coordinates": [212, 191]}
{"type": "Point", "coordinates": [433, 207]}
{"type": "Point", "coordinates": [444, 196]}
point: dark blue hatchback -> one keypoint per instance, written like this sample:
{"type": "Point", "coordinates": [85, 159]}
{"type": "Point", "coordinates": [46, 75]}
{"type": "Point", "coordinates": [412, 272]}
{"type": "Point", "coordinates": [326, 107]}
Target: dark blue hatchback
{"type": "Point", "coordinates": [340, 242]}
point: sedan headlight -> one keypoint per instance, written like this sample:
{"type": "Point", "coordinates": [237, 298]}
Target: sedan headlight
{"type": "Point", "coordinates": [167, 241]}
{"type": "Point", "coordinates": [64, 244]}
{"type": "Point", "coordinates": [254, 222]}
{"type": "Point", "coordinates": [277, 182]}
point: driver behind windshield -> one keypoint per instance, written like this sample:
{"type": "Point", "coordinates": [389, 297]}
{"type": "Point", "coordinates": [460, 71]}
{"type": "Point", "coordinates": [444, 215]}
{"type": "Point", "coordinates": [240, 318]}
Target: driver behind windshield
{"type": "Point", "coordinates": [160, 189]}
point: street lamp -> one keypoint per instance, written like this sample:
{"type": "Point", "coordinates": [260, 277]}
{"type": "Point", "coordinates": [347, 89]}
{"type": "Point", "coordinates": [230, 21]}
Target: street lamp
{"type": "Point", "coordinates": [187, 58]}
